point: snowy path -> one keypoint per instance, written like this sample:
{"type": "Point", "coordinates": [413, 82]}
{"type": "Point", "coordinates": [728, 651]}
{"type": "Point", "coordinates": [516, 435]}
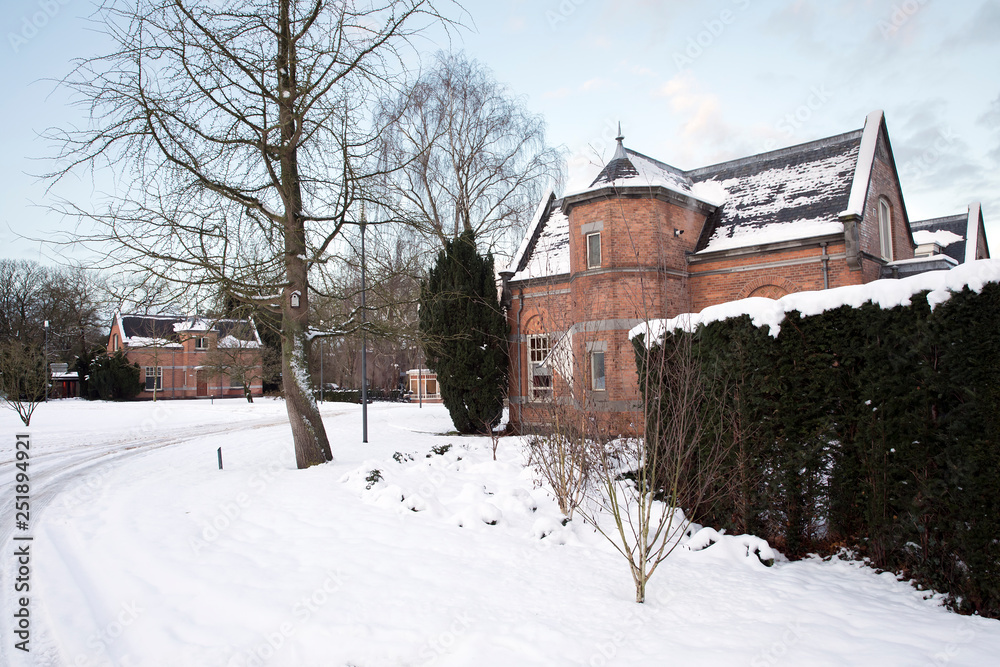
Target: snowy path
{"type": "Point", "coordinates": [150, 555]}
{"type": "Point", "coordinates": [71, 461]}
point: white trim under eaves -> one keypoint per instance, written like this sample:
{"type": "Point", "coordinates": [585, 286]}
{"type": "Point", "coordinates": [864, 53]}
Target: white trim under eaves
{"type": "Point", "coordinates": [972, 233]}
{"type": "Point", "coordinates": [863, 170]}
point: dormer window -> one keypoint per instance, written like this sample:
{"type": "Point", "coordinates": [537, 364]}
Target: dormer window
{"type": "Point", "coordinates": [885, 228]}
{"type": "Point", "coordinates": [201, 343]}
{"type": "Point", "coordinates": [594, 250]}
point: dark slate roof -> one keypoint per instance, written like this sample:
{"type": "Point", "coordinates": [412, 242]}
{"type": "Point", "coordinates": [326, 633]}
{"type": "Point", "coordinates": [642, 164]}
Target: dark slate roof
{"type": "Point", "coordinates": [794, 192]}
{"type": "Point", "coordinates": [956, 224]}
{"type": "Point", "coordinates": [161, 327]}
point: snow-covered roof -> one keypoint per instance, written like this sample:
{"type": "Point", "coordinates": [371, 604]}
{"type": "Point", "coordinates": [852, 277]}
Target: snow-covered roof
{"type": "Point", "coordinates": [941, 237]}
{"type": "Point", "coordinates": [193, 324]}
{"type": "Point", "coordinates": [787, 194]}
{"type": "Point", "coordinates": [164, 330]}
{"type": "Point", "coordinates": [783, 195]}
{"type": "Point", "coordinates": [887, 293]}
{"type": "Point", "coordinates": [546, 250]}
{"type": "Point", "coordinates": [952, 233]}
{"type": "Point", "coordinates": [232, 342]}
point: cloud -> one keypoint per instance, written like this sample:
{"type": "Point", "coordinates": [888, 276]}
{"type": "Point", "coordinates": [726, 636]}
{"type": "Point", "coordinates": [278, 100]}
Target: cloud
{"type": "Point", "coordinates": [704, 134]}
{"type": "Point", "coordinates": [982, 28]}
{"type": "Point", "coordinates": [593, 85]}
{"type": "Point", "coordinates": [990, 119]}
{"type": "Point", "coordinates": [516, 24]}
{"type": "Point", "coordinates": [557, 94]}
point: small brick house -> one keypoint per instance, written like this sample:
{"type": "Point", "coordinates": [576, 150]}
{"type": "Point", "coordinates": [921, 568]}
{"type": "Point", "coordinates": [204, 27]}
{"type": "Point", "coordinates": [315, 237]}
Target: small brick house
{"type": "Point", "coordinates": [422, 385]}
{"type": "Point", "coordinates": [190, 357]}
{"type": "Point", "coordinates": [647, 240]}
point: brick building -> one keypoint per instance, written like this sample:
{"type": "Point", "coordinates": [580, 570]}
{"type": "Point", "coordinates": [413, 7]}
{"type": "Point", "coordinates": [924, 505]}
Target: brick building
{"type": "Point", "coordinates": [190, 357]}
{"type": "Point", "coordinates": [647, 240]}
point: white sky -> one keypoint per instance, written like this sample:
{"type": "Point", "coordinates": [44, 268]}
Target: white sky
{"type": "Point", "coordinates": [692, 83]}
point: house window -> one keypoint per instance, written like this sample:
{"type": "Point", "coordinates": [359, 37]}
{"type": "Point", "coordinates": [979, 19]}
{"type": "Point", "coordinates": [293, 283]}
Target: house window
{"type": "Point", "coordinates": [114, 342]}
{"type": "Point", "coordinates": [885, 228]}
{"type": "Point", "coordinates": [431, 386]}
{"type": "Point", "coordinates": [594, 250]}
{"type": "Point", "coordinates": [201, 343]}
{"type": "Point", "coordinates": [154, 378]}
{"type": "Point", "coordinates": [539, 375]}
{"type": "Point", "coordinates": [597, 371]}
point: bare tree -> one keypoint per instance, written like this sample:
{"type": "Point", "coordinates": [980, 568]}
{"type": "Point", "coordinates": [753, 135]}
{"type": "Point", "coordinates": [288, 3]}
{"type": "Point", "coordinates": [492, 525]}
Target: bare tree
{"type": "Point", "coordinates": [242, 139]}
{"type": "Point", "coordinates": [476, 158]}
{"type": "Point", "coordinates": [22, 377]}
{"type": "Point", "coordinates": [239, 360]}
{"type": "Point", "coordinates": [21, 292]}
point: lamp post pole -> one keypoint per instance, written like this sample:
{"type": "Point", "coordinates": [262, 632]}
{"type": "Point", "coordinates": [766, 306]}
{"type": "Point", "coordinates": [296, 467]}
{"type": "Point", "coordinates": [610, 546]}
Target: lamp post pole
{"type": "Point", "coordinates": [321, 368]}
{"type": "Point", "coordinates": [364, 339]}
{"type": "Point", "coordinates": [45, 360]}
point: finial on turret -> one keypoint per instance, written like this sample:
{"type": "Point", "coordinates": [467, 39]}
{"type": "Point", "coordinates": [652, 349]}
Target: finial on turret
{"type": "Point", "coordinates": [620, 149]}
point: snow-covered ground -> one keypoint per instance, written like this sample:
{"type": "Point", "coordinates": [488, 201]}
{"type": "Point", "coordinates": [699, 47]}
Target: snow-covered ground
{"type": "Point", "coordinates": [145, 553]}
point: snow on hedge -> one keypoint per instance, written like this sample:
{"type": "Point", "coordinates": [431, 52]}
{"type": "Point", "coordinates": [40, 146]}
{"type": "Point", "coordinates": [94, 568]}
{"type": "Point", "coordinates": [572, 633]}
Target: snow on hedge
{"type": "Point", "coordinates": [883, 293]}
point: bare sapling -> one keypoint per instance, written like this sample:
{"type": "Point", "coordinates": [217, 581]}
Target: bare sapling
{"type": "Point", "coordinates": [644, 484]}
{"type": "Point", "coordinates": [564, 459]}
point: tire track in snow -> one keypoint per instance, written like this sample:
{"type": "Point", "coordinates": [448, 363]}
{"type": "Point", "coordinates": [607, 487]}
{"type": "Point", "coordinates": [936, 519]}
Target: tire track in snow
{"type": "Point", "coordinates": [53, 472]}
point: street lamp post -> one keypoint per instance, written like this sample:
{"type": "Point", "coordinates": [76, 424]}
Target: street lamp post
{"type": "Point", "coordinates": [364, 340]}
{"type": "Point", "coordinates": [45, 360]}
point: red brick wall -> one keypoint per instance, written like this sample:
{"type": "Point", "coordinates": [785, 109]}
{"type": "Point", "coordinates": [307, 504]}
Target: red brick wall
{"type": "Point", "coordinates": [708, 289]}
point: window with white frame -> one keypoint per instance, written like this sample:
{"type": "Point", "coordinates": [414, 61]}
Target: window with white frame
{"type": "Point", "coordinates": [594, 250]}
{"type": "Point", "coordinates": [114, 342]}
{"type": "Point", "coordinates": [539, 375]}
{"type": "Point", "coordinates": [885, 228]}
{"type": "Point", "coordinates": [201, 343]}
{"type": "Point", "coordinates": [154, 378]}
{"type": "Point", "coordinates": [597, 378]}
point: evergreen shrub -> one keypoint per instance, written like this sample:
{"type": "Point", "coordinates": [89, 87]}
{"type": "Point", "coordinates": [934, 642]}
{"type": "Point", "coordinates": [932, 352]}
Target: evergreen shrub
{"type": "Point", "coordinates": [877, 430]}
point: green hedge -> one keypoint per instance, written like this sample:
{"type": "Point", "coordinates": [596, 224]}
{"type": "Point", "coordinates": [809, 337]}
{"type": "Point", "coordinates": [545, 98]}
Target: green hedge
{"type": "Point", "coordinates": [873, 429]}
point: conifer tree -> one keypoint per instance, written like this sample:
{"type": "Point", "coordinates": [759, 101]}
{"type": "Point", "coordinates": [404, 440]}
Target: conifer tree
{"type": "Point", "coordinates": [465, 335]}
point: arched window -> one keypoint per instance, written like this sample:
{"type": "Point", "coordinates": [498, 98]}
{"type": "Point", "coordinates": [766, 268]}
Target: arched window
{"type": "Point", "coordinates": [885, 228]}
{"type": "Point", "coordinates": [114, 342]}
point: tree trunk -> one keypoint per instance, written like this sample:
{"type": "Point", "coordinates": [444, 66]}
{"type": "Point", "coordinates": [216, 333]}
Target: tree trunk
{"type": "Point", "coordinates": [308, 433]}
